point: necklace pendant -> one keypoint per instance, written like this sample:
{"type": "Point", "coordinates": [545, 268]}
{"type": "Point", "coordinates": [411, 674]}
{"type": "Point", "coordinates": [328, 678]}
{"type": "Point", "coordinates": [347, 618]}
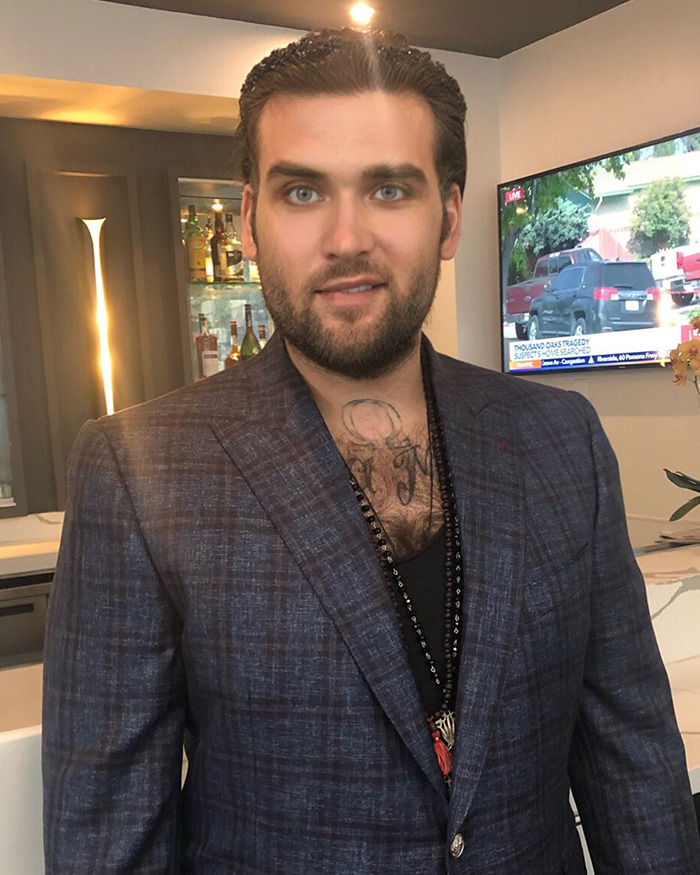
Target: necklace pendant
{"type": "Point", "coordinates": [442, 752]}
{"type": "Point", "coordinates": [446, 724]}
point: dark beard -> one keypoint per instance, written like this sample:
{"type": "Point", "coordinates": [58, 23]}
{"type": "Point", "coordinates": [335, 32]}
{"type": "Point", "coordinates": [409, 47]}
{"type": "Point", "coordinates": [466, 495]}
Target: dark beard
{"type": "Point", "coordinates": [378, 351]}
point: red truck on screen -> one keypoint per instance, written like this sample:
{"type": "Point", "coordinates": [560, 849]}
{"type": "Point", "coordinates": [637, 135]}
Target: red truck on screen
{"type": "Point", "coordinates": [516, 306]}
{"type": "Point", "coordinates": [678, 271]}
{"type": "Point", "coordinates": [689, 263]}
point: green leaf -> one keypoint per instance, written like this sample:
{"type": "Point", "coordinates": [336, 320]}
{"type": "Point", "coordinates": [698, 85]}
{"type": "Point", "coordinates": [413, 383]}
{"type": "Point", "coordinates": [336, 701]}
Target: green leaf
{"type": "Point", "coordinates": [683, 480]}
{"type": "Point", "coordinates": [684, 509]}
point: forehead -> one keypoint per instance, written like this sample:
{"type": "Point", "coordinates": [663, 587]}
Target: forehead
{"type": "Point", "coordinates": [347, 132]}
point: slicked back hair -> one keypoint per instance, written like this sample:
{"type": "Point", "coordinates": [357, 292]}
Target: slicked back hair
{"type": "Point", "coordinates": [348, 61]}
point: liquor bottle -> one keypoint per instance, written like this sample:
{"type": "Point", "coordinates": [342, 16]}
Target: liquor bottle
{"type": "Point", "coordinates": [251, 274]}
{"type": "Point", "coordinates": [223, 249]}
{"type": "Point", "coordinates": [207, 356]}
{"type": "Point", "coordinates": [209, 233]}
{"type": "Point", "coordinates": [235, 355]}
{"type": "Point", "coordinates": [209, 262]}
{"type": "Point", "coordinates": [234, 252]}
{"type": "Point", "coordinates": [262, 336]}
{"type": "Point", "coordinates": [218, 249]}
{"type": "Point", "coordinates": [250, 345]}
{"type": "Point", "coordinates": [195, 244]}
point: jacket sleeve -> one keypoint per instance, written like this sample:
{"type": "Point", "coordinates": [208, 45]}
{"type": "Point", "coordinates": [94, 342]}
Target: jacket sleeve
{"type": "Point", "coordinates": [627, 763]}
{"type": "Point", "coordinates": [113, 686]}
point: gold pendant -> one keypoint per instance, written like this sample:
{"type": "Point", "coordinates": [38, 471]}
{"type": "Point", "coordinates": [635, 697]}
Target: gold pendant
{"type": "Point", "coordinates": [446, 725]}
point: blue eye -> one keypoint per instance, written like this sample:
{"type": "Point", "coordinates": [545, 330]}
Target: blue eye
{"type": "Point", "coordinates": [390, 193]}
{"type": "Point", "coordinates": [302, 194]}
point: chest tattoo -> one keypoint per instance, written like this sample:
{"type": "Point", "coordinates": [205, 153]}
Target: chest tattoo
{"type": "Point", "coordinates": [393, 468]}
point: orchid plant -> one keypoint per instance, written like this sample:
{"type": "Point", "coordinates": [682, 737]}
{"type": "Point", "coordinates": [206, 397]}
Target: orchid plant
{"type": "Point", "coordinates": [685, 361]}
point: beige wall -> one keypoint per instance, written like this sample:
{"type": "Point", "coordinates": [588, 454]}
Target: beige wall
{"type": "Point", "coordinates": [476, 264]}
{"type": "Point", "coordinates": [624, 77]}
{"type": "Point", "coordinates": [115, 44]}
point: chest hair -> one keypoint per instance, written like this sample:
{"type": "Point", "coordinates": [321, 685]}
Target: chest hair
{"type": "Point", "coordinates": [395, 469]}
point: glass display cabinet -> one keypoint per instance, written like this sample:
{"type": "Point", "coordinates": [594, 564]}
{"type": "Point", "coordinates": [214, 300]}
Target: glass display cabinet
{"type": "Point", "coordinates": [219, 284]}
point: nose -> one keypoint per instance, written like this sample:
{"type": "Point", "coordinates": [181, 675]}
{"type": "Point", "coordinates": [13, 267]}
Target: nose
{"type": "Point", "coordinates": [348, 232]}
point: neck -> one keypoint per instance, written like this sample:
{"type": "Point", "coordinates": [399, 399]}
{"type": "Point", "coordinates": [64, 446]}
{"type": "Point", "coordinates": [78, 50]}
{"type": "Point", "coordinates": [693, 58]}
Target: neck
{"type": "Point", "coordinates": [380, 428]}
{"type": "Point", "coordinates": [402, 388]}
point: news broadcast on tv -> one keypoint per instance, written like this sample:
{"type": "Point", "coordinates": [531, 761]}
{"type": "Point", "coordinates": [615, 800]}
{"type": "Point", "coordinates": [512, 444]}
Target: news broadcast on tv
{"type": "Point", "coordinates": [600, 261]}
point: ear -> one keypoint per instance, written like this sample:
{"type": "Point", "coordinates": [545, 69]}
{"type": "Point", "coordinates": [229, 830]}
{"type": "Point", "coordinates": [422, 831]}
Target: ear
{"type": "Point", "coordinates": [453, 214]}
{"type": "Point", "coordinates": [250, 248]}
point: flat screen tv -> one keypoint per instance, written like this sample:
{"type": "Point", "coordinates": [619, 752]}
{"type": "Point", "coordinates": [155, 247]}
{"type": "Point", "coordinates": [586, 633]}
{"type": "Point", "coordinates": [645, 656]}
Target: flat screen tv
{"type": "Point", "coordinates": [600, 261]}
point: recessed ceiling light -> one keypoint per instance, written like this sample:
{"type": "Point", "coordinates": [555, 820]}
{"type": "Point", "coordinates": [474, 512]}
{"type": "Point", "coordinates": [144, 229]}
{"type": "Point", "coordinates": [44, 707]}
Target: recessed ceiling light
{"type": "Point", "coordinates": [361, 13]}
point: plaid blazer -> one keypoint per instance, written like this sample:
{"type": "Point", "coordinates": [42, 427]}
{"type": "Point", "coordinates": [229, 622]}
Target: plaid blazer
{"type": "Point", "coordinates": [216, 583]}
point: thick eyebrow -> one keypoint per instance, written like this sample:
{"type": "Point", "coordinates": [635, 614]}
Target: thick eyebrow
{"type": "Point", "coordinates": [377, 173]}
{"type": "Point", "coordinates": [298, 171]}
{"type": "Point", "coordinates": [395, 173]}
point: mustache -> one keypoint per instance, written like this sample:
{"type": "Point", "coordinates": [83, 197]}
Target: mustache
{"type": "Point", "coordinates": [346, 270]}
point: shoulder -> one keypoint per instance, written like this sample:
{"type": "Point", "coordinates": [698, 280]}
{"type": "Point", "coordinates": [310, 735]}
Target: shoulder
{"type": "Point", "coordinates": [233, 392]}
{"type": "Point", "coordinates": [179, 426]}
{"type": "Point", "coordinates": [556, 432]}
{"type": "Point", "coordinates": [172, 427]}
{"type": "Point", "coordinates": [189, 403]}
{"type": "Point", "coordinates": [522, 398]}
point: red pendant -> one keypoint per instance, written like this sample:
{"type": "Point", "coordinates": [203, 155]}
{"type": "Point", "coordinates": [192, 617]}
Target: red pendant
{"type": "Point", "coordinates": [444, 757]}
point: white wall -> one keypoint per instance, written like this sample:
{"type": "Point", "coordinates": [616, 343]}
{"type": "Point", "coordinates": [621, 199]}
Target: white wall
{"type": "Point", "coordinates": [476, 264]}
{"type": "Point", "coordinates": [114, 44]}
{"type": "Point", "coordinates": [629, 75]}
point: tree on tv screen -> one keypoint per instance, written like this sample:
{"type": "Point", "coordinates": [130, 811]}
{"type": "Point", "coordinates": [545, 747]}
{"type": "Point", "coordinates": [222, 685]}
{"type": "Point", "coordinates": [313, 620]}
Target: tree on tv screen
{"type": "Point", "coordinates": [663, 150]}
{"type": "Point", "coordinates": [541, 193]}
{"type": "Point", "coordinates": [692, 142]}
{"type": "Point", "coordinates": [563, 226]}
{"type": "Point", "coordinates": [660, 218]}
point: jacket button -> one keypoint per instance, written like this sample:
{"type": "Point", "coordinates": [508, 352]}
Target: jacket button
{"type": "Point", "coordinates": [457, 846]}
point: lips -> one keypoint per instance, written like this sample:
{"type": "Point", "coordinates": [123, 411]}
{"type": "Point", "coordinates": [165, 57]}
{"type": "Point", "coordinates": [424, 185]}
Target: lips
{"type": "Point", "coordinates": [353, 286]}
{"type": "Point", "coordinates": [355, 289]}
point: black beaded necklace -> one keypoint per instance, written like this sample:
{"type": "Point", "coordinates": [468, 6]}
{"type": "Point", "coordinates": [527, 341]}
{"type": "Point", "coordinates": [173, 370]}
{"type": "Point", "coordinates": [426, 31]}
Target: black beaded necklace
{"type": "Point", "coordinates": [442, 722]}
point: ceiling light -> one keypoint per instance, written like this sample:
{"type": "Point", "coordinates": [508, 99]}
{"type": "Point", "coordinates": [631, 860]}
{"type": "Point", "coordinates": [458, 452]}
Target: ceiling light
{"type": "Point", "coordinates": [361, 14]}
{"type": "Point", "coordinates": [217, 206]}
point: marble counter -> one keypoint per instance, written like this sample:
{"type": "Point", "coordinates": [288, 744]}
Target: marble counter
{"type": "Point", "coordinates": [672, 580]}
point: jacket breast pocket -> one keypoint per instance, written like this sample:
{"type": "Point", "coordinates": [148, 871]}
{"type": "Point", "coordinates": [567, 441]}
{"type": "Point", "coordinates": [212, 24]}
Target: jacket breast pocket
{"type": "Point", "coordinates": [557, 583]}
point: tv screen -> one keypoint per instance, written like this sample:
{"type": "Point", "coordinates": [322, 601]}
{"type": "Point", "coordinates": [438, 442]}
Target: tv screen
{"type": "Point", "coordinates": [600, 261]}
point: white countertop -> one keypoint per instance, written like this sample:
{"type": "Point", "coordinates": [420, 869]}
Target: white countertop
{"type": "Point", "coordinates": [29, 544]}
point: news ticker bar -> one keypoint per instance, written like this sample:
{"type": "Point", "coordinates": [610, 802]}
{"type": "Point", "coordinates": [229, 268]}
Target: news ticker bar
{"type": "Point", "coordinates": [588, 361]}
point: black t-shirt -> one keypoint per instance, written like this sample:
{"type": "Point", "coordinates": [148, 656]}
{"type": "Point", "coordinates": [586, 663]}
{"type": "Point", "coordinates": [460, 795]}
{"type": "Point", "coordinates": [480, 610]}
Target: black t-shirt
{"type": "Point", "coordinates": [423, 574]}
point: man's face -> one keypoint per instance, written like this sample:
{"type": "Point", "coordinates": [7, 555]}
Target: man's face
{"type": "Point", "coordinates": [346, 225]}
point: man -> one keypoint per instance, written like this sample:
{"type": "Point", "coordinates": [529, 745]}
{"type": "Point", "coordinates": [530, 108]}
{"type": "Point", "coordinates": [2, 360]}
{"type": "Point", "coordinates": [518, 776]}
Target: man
{"type": "Point", "coordinates": [386, 597]}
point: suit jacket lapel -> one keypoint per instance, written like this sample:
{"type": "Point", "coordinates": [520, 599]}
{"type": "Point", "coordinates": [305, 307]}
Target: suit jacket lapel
{"type": "Point", "coordinates": [292, 465]}
{"type": "Point", "coordinates": [483, 454]}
